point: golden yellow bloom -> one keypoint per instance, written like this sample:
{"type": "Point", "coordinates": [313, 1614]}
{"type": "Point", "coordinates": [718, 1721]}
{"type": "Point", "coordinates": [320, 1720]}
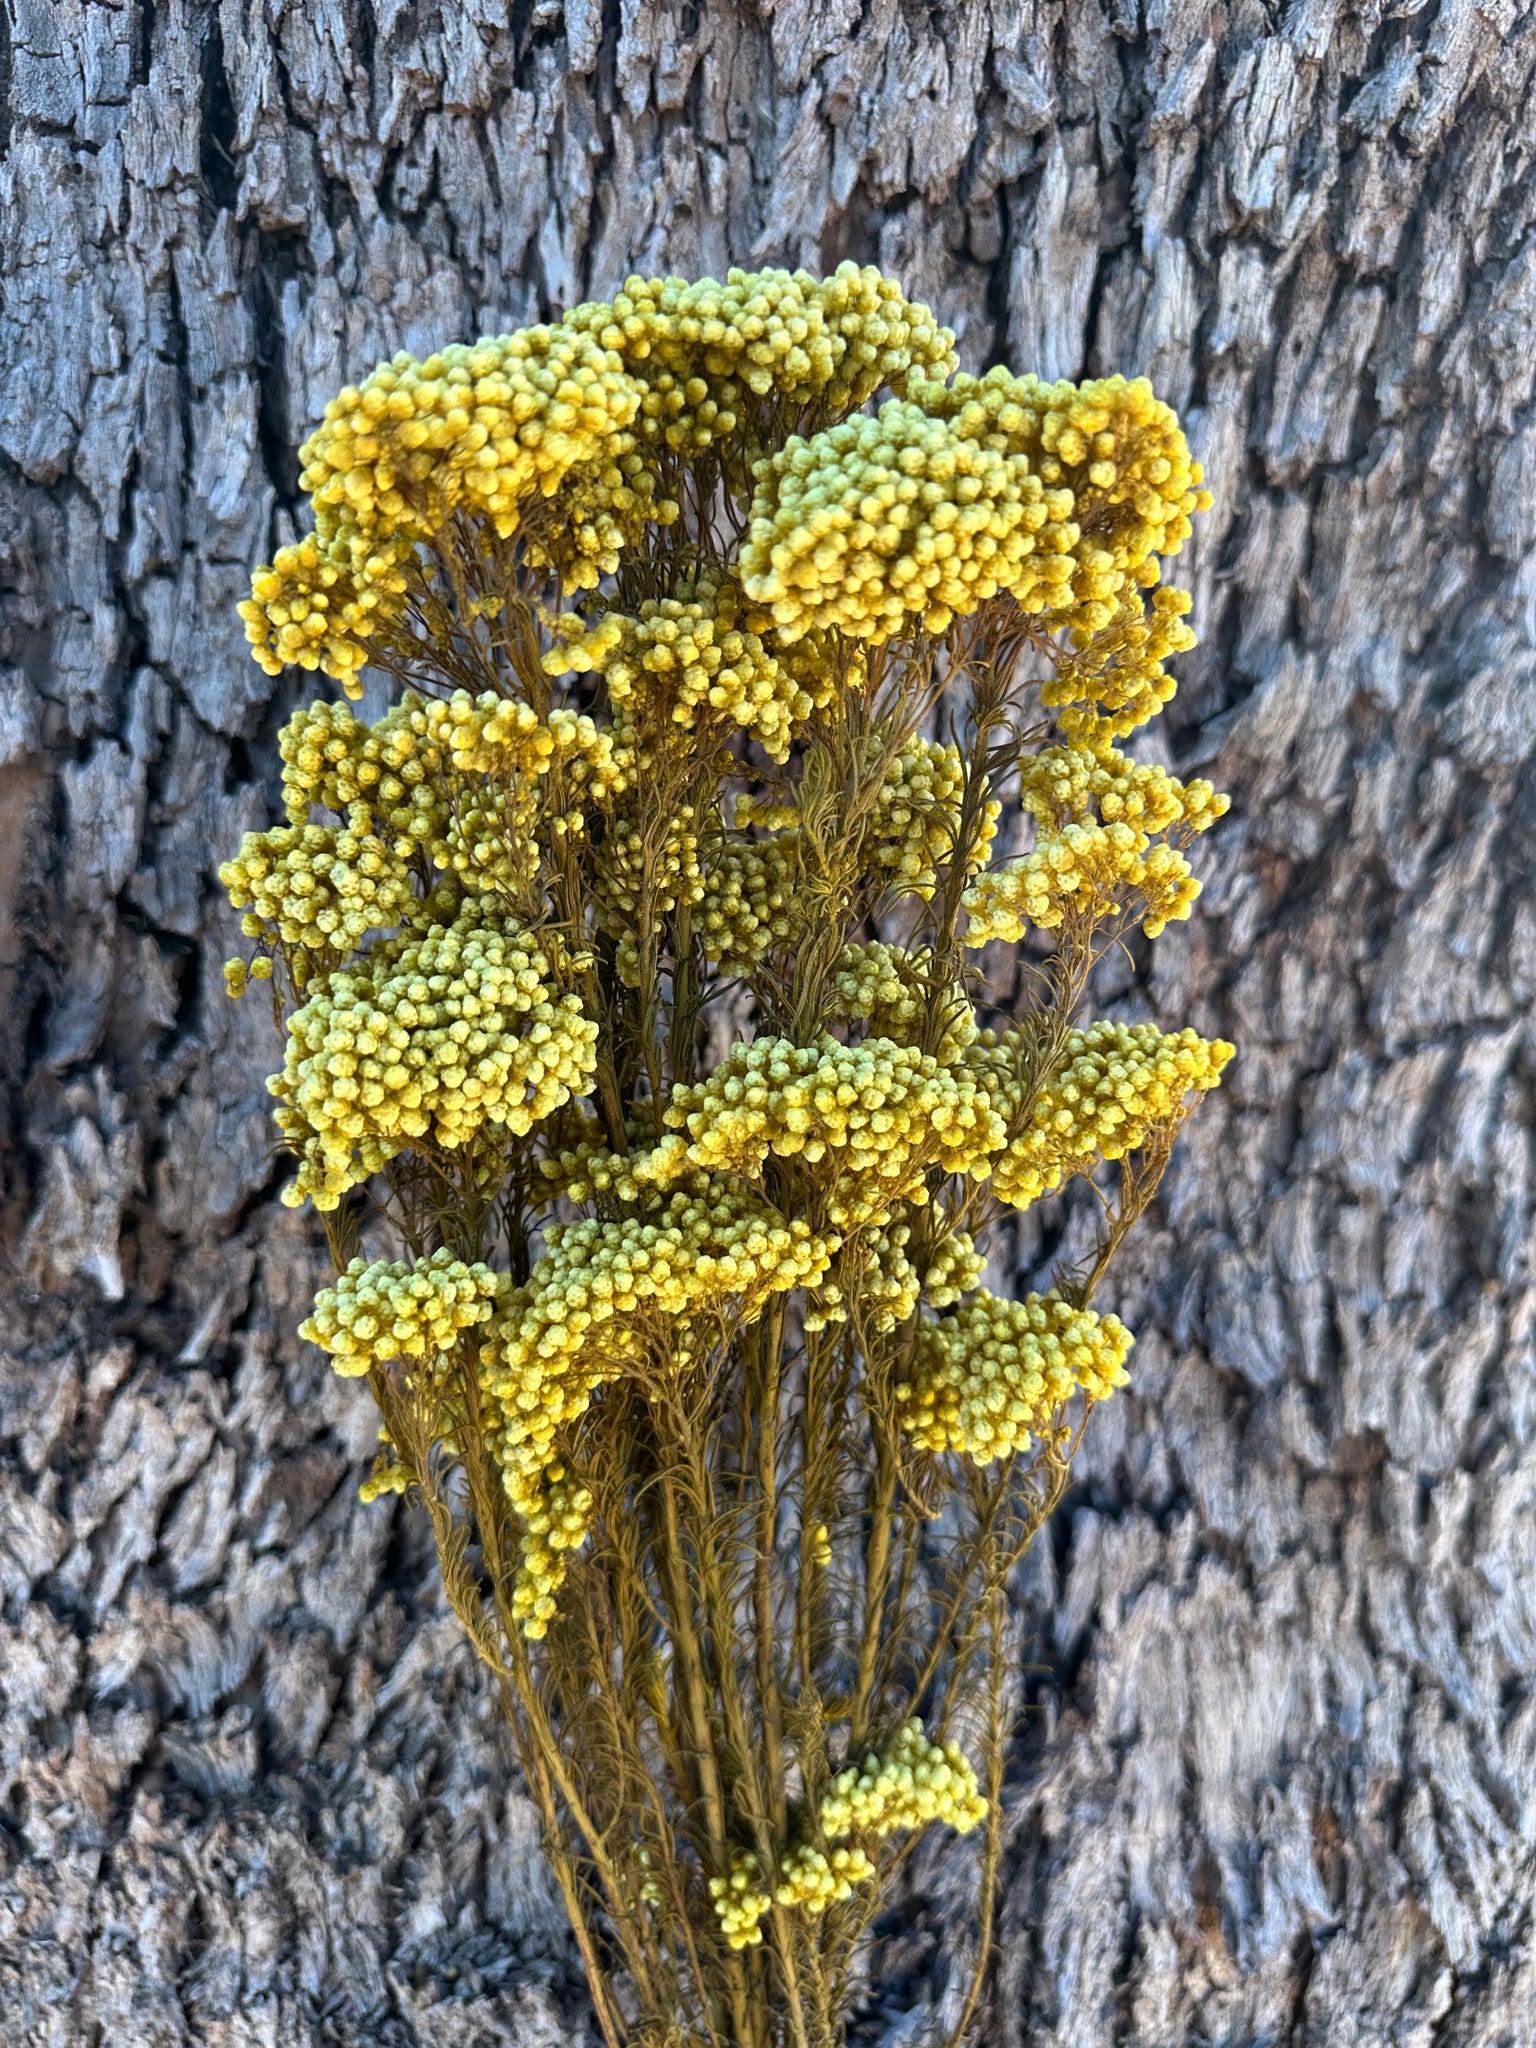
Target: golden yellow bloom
{"type": "Point", "coordinates": [390, 778]}
{"type": "Point", "coordinates": [1109, 681]}
{"type": "Point", "coordinates": [1095, 869]}
{"type": "Point", "coordinates": [401, 1309]}
{"type": "Point", "coordinates": [481, 428]}
{"type": "Point", "coordinates": [601, 1293]}
{"type": "Point", "coordinates": [1095, 814]}
{"type": "Point", "coordinates": [878, 1114]}
{"type": "Point", "coordinates": [556, 1512]}
{"type": "Point", "coordinates": [1114, 445]}
{"type": "Point", "coordinates": [887, 521]}
{"type": "Point", "coordinates": [239, 974]}
{"type": "Point", "coordinates": [953, 1268]}
{"type": "Point", "coordinates": [814, 1880]}
{"type": "Point", "coordinates": [491, 735]}
{"type": "Point", "coordinates": [706, 354]}
{"type": "Point", "coordinates": [915, 1782]}
{"type": "Point", "coordinates": [985, 1379]}
{"type": "Point", "coordinates": [683, 601]}
{"type": "Point", "coordinates": [390, 1475]}
{"type": "Point", "coordinates": [876, 1270]}
{"type": "Point", "coordinates": [312, 886]}
{"type": "Point", "coordinates": [430, 1036]}
{"type": "Point", "coordinates": [915, 819]}
{"type": "Point", "coordinates": [748, 905]}
{"type": "Point", "coordinates": [888, 987]}
{"type": "Point", "coordinates": [912, 827]}
{"type": "Point", "coordinates": [740, 1901]}
{"type": "Point", "coordinates": [1114, 1084]}
{"type": "Point", "coordinates": [1061, 494]}
{"type": "Point", "coordinates": [693, 659]}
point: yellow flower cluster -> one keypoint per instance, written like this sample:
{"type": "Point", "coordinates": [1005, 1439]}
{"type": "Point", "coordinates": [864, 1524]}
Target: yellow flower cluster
{"type": "Point", "coordinates": [491, 735]}
{"type": "Point", "coordinates": [1114, 1084]}
{"type": "Point", "coordinates": [429, 1036]}
{"type": "Point", "coordinates": [693, 658]}
{"type": "Point", "coordinates": [238, 975]}
{"type": "Point", "coordinates": [876, 1274]}
{"type": "Point", "coordinates": [390, 1473]}
{"type": "Point", "coordinates": [1114, 445]}
{"type": "Point", "coordinates": [1062, 494]}
{"type": "Point", "coordinates": [308, 608]}
{"type": "Point", "coordinates": [386, 778]}
{"type": "Point", "coordinates": [520, 775]}
{"type": "Point", "coordinates": [915, 1782]}
{"type": "Point", "coordinates": [401, 1309]}
{"type": "Point", "coordinates": [1093, 869]}
{"type": "Point", "coordinates": [884, 1113]}
{"type": "Point", "coordinates": [480, 429]}
{"type": "Point", "coordinates": [325, 761]}
{"type": "Point", "coordinates": [954, 1267]}
{"type": "Point", "coordinates": [1109, 682]}
{"type": "Point", "coordinates": [749, 903]}
{"type": "Point", "coordinates": [1096, 868]}
{"type": "Point", "coordinates": [694, 1244]}
{"type": "Point", "coordinates": [813, 1880]}
{"type": "Point", "coordinates": [915, 818]}
{"type": "Point", "coordinates": [740, 1901]}
{"type": "Point", "coordinates": [987, 1377]}
{"type": "Point", "coordinates": [1064, 785]}
{"type": "Point", "coordinates": [911, 827]}
{"type": "Point", "coordinates": [316, 887]}
{"type": "Point", "coordinates": [704, 353]}
{"type": "Point", "coordinates": [556, 1512]}
{"type": "Point", "coordinates": [887, 987]}
{"type": "Point", "coordinates": [877, 1271]}
{"type": "Point", "coordinates": [582, 1166]}
{"type": "Point", "coordinates": [887, 521]}
{"type": "Point", "coordinates": [671, 875]}
{"type": "Point", "coordinates": [581, 1318]}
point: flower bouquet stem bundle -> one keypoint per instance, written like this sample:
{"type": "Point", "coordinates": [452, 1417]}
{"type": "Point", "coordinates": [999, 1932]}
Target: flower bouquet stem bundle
{"type": "Point", "coordinates": [640, 1062]}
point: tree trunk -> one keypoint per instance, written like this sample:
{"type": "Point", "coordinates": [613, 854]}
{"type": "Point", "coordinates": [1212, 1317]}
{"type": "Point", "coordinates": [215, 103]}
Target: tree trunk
{"type": "Point", "coordinates": [1279, 1780]}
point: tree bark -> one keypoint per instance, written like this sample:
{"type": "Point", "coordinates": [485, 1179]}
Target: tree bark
{"type": "Point", "coordinates": [1278, 1781]}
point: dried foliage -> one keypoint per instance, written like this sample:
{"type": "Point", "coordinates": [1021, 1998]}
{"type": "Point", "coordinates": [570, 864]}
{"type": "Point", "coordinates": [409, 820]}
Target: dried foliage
{"type": "Point", "coordinates": [636, 1060]}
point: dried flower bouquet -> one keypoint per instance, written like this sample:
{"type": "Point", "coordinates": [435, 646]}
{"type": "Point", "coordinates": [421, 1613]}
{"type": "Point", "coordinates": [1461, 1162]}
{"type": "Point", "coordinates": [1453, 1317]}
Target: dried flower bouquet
{"type": "Point", "coordinates": [629, 973]}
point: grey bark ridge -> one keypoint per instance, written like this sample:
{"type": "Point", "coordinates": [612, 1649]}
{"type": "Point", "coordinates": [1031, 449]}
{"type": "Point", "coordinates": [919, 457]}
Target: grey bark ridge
{"type": "Point", "coordinates": [1278, 1782]}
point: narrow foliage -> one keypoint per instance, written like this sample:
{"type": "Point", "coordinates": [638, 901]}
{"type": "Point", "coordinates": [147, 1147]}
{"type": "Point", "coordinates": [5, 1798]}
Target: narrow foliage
{"type": "Point", "coordinates": [629, 970]}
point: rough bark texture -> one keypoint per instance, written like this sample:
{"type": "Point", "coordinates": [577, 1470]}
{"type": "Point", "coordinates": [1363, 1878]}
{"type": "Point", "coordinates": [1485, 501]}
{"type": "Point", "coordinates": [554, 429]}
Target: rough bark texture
{"type": "Point", "coordinates": [1280, 1780]}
